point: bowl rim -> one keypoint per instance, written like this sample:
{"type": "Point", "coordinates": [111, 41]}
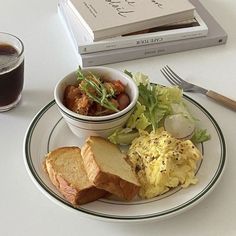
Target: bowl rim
{"type": "Point", "coordinates": [84, 118]}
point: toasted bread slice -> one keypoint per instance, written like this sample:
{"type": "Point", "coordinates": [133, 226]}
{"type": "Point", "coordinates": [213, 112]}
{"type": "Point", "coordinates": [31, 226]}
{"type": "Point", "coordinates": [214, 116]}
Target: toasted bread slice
{"type": "Point", "coordinates": [66, 171]}
{"type": "Point", "coordinates": [107, 169]}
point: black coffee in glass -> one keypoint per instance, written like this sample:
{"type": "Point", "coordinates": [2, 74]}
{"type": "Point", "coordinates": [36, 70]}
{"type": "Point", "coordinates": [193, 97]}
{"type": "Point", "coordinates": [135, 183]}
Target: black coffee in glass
{"type": "Point", "coordinates": [11, 71]}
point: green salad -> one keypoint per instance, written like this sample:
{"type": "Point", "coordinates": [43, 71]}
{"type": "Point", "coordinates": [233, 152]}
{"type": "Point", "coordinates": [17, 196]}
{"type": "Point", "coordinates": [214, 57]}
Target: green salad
{"type": "Point", "coordinates": [157, 107]}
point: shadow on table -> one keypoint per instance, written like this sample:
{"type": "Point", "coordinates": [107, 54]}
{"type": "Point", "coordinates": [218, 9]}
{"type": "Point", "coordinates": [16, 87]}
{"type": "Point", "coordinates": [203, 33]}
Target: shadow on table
{"type": "Point", "coordinates": [31, 102]}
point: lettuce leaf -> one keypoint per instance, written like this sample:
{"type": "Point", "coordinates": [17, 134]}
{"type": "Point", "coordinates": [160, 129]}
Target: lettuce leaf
{"type": "Point", "coordinates": [138, 119]}
{"type": "Point", "coordinates": [148, 98]}
{"type": "Point", "coordinates": [200, 135]}
{"type": "Point", "coordinates": [123, 136]}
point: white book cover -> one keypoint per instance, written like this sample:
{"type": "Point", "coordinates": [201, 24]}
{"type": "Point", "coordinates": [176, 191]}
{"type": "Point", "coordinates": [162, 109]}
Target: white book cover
{"type": "Point", "coordinates": [85, 43]}
{"type": "Point", "coordinates": [199, 29]}
{"type": "Point", "coordinates": [77, 34]}
{"type": "Point", "coordinates": [216, 36]}
{"type": "Point", "coordinates": [110, 18]}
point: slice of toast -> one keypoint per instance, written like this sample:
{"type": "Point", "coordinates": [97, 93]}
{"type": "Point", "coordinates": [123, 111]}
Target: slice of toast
{"type": "Point", "coordinates": [66, 171]}
{"type": "Point", "coordinates": [107, 169]}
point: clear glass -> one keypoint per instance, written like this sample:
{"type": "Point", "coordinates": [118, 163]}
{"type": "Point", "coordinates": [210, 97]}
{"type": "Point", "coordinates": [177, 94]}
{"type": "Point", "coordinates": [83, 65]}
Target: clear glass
{"type": "Point", "coordinates": [11, 70]}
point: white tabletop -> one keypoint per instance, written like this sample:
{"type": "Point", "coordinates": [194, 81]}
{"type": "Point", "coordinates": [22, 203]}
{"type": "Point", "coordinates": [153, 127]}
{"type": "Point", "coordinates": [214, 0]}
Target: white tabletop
{"type": "Point", "coordinates": [49, 55]}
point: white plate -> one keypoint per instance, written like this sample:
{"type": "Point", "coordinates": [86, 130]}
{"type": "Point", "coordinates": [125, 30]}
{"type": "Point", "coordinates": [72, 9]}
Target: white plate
{"type": "Point", "coordinates": [48, 131]}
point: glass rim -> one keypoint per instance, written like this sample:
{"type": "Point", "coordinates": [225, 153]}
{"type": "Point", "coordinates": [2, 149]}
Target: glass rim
{"type": "Point", "coordinates": [21, 51]}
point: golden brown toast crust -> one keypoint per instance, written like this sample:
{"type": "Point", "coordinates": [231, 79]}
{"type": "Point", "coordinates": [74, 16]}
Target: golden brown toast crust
{"type": "Point", "coordinates": [72, 193]}
{"type": "Point", "coordinates": [111, 183]}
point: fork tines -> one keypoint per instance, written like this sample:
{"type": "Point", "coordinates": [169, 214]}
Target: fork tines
{"type": "Point", "coordinates": [171, 76]}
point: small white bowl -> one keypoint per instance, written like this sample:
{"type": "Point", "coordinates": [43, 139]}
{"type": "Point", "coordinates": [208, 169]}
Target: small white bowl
{"type": "Point", "coordinates": [84, 126]}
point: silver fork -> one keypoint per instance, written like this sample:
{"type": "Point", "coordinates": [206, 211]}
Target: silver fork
{"type": "Point", "coordinates": [174, 79]}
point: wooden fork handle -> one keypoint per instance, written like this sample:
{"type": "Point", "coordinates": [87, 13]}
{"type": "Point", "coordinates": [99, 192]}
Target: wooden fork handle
{"type": "Point", "coordinates": [222, 99]}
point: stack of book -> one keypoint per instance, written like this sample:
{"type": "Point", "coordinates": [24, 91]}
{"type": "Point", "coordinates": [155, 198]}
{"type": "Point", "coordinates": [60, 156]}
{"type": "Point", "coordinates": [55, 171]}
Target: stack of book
{"type": "Point", "coordinates": [111, 31]}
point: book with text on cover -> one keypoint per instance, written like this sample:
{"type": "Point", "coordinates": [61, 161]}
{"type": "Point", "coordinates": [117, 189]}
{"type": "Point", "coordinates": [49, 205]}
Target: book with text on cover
{"type": "Point", "coordinates": [176, 31]}
{"type": "Point", "coordinates": [216, 36]}
{"type": "Point", "coordinates": [109, 18]}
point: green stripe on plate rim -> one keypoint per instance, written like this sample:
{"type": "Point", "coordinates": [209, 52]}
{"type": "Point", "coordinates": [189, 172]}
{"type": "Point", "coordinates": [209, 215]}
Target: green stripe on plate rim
{"type": "Point", "coordinates": [93, 121]}
{"type": "Point", "coordinates": [128, 218]}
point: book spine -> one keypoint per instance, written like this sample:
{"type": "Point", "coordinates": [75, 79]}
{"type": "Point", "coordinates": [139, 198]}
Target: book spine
{"type": "Point", "coordinates": [144, 39]}
{"type": "Point", "coordinates": [113, 56]}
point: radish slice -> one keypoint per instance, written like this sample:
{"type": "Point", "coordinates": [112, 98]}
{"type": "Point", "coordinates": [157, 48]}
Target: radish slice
{"type": "Point", "coordinates": [179, 126]}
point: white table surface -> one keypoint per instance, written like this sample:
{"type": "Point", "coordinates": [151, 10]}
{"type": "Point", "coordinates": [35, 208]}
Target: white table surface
{"type": "Point", "coordinates": [49, 55]}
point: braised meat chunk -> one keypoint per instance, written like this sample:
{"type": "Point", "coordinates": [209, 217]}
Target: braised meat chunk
{"type": "Point", "coordinates": [95, 96]}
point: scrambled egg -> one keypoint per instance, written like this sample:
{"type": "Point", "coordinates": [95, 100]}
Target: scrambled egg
{"type": "Point", "coordinates": [162, 162]}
